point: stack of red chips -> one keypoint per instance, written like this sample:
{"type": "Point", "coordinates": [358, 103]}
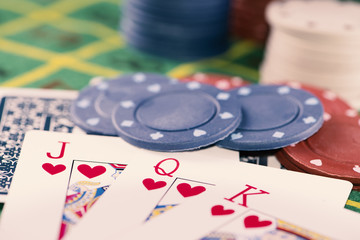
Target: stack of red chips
{"type": "Point", "coordinates": [247, 19]}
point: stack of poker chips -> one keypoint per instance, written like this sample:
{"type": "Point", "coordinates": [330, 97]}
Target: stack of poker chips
{"type": "Point", "coordinates": [181, 30]}
{"type": "Point", "coordinates": [159, 113]}
{"type": "Point", "coordinates": [156, 112]}
{"type": "Point", "coordinates": [311, 130]}
{"type": "Point", "coordinates": [315, 42]}
{"type": "Point", "coordinates": [247, 19]}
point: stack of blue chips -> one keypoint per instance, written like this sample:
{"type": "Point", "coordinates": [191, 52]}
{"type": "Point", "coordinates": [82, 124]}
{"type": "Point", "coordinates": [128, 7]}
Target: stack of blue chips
{"type": "Point", "coordinates": [159, 113]}
{"type": "Point", "coordinates": [181, 30]}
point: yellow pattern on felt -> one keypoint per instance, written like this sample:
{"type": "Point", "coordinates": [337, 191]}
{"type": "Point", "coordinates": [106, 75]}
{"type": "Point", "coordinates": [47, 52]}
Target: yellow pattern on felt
{"type": "Point", "coordinates": [54, 15]}
{"type": "Point", "coordinates": [353, 203]}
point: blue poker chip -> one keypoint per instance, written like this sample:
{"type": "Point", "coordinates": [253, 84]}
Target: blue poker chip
{"type": "Point", "coordinates": [274, 117]}
{"type": "Point", "coordinates": [182, 34]}
{"type": "Point", "coordinates": [92, 119]}
{"type": "Point", "coordinates": [126, 85]}
{"type": "Point", "coordinates": [84, 114]}
{"type": "Point", "coordinates": [107, 100]}
{"type": "Point", "coordinates": [190, 14]}
{"type": "Point", "coordinates": [187, 53]}
{"type": "Point", "coordinates": [179, 117]}
{"type": "Point", "coordinates": [182, 30]}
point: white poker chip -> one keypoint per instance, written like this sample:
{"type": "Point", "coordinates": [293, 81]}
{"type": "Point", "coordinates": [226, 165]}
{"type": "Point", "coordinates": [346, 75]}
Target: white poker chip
{"type": "Point", "coordinates": [318, 16]}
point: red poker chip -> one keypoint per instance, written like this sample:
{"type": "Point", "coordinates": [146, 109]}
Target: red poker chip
{"type": "Point", "coordinates": [283, 159]}
{"type": "Point", "coordinates": [257, 33]}
{"type": "Point", "coordinates": [333, 104]}
{"type": "Point", "coordinates": [247, 19]}
{"type": "Point", "coordinates": [287, 163]}
{"type": "Point", "coordinates": [333, 151]}
{"type": "Point", "coordinates": [223, 82]}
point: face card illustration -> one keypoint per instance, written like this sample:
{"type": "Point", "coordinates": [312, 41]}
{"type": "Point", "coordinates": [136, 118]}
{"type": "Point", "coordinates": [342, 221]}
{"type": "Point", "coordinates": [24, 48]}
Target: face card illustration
{"type": "Point", "coordinates": [22, 110]}
{"type": "Point", "coordinates": [88, 181]}
{"type": "Point", "coordinates": [179, 191]}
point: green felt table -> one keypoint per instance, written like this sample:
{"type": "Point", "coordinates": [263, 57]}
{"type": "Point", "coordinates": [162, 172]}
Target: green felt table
{"type": "Point", "coordinates": [62, 44]}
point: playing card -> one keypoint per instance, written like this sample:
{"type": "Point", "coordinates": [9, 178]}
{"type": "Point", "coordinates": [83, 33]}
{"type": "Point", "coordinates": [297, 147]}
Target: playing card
{"type": "Point", "coordinates": [22, 110]}
{"type": "Point", "coordinates": [201, 177]}
{"type": "Point", "coordinates": [61, 176]}
{"type": "Point", "coordinates": [249, 212]}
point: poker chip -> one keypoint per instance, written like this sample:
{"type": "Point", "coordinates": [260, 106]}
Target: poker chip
{"type": "Point", "coordinates": [274, 117]}
{"type": "Point", "coordinates": [126, 85]}
{"type": "Point", "coordinates": [287, 163]}
{"type": "Point", "coordinates": [315, 42]}
{"type": "Point", "coordinates": [84, 114]}
{"type": "Point", "coordinates": [221, 81]}
{"type": "Point", "coordinates": [184, 30]}
{"type": "Point", "coordinates": [283, 159]}
{"type": "Point", "coordinates": [179, 117]}
{"type": "Point", "coordinates": [331, 152]}
{"type": "Point", "coordinates": [106, 101]}
{"type": "Point", "coordinates": [247, 19]}
{"type": "Point", "coordinates": [93, 115]}
{"type": "Point", "coordinates": [319, 18]}
{"type": "Point", "coordinates": [332, 103]}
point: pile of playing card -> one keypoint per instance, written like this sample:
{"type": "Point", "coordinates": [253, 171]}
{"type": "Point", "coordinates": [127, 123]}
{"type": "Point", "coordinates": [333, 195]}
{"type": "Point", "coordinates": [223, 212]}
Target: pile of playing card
{"type": "Point", "coordinates": [70, 185]}
{"type": "Point", "coordinates": [78, 186]}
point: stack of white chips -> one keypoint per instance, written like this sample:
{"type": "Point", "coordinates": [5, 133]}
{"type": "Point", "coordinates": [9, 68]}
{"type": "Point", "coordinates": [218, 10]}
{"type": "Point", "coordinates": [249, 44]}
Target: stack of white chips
{"type": "Point", "coordinates": [315, 42]}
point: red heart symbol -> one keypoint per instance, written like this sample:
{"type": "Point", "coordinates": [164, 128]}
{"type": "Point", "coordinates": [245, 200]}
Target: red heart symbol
{"type": "Point", "coordinates": [218, 210]}
{"type": "Point", "coordinates": [91, 172]}
{"type": "Point", "coordinates": [53, 169]}
{"type": "Point", "coordinates": [187, 191]}
{"type": "Point", "coordinates": [150, 184]}
{"type": "Point", "coordinates": [252, 221]}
